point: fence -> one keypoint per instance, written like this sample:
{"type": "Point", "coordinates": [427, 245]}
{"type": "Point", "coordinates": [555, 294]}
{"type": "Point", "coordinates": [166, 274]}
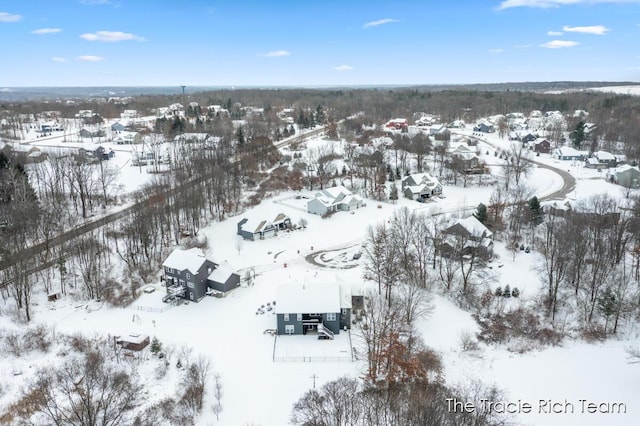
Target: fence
{"type": "Point", "coordinates": [312, 359]}
{"type": "Point", "coordinates": [282, 201]}
{"type": "Point", "coordinates": [152, 309]}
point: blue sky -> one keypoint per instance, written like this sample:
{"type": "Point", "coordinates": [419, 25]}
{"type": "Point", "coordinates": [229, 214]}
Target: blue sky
{"type": "Point", "coordinates": [314, 42]}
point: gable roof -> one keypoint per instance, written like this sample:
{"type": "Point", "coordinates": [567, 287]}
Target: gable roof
{"type": "Point", "coordinates": [254, 225]}
{"type": "Point", "coordinates": [221, 273]}
{"type": "Point", "coordinates": [308, 298]}
{"type": "Point", "coordinates": [190, 260]}
{"type": "Point", "coordinates": [473, 226]}
{"type": "Point", "coordinates": [604, 156]}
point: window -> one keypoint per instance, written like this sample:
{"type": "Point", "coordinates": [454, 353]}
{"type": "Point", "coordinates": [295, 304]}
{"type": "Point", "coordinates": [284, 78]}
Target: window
{"type": "Point", "coordinates": [188, 276]}
{"type": "Point", "coordinates": [299, 317]}
{"type": "Point", "coordinates": [331, 317]}
{"type": "Point", "coordinates": [190, 284]}
{"type": "Point", "coordinates": [286, 317]}
{"type": "Point", "coordinates": [289, 329]}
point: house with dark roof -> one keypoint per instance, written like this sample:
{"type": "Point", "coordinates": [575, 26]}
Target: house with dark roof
{"type": "Point", "coordinates": [188, 274]}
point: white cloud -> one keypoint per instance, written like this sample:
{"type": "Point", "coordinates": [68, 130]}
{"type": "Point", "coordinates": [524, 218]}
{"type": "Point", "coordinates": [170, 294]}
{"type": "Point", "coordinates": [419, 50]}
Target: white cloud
{"type": "Point", "coordinates": [110, 36]}
{"type": "Point", "coordinates": [495, 50]}
{"type": "Point", "coordinates": [90, 58]}
{"type": "Point", "coordinates": [559, 44]}
{"type": "Point", "coordinates": [545, 4]}
{"type": "Point", "coordinates": [276, 54]}
{"type": "Point", "coordinates": [8, 17]}
{"type": "Point", "coordinates": [593, 29]}
{"type": "Point", "coordinates": [58, 59]}
{"type": "Point", "coordinates": [379, 22]}
{"type": "Point", "coordinates": [343, 68]}
{"type": "Point", "coordinates": [554, 33]}
{"type": "Point", "coordinates": [46, 31]}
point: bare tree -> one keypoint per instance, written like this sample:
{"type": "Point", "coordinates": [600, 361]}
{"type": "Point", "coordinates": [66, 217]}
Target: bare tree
{"type": "Point", "coordinates": [519, 158]}
{"type": "Point", "coordinates": [89, 391]}
{"type": "Point", "coordinates": [554, 246]}
{"type": "Point", "coordinates": [195, 383]}
{"type": "Point", "coordinates": [218, 393]}
{"type": "Point", "coordinates": [381, 259]}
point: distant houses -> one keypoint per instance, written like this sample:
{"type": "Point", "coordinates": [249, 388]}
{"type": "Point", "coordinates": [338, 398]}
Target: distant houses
{"type": "Point", "coordinates": [568, 153]}
{"type": "Point", "coordinates": [321, 309]}
{"type": "Point", "coordinates": [128, 138]}
{"type": "Point", "coordinates": [188, 274]}
{"type": "Point", "coordinates": [540, 145]}
{"type": "Point", "coordinates": [420, 186]}
{"type": "Point", "coordinates": [626, 176]}
{"type": "Point", "coordinates": [330, 200]}
{"type": "Point", "coordinates": [259, 229]}
{"type": "Point", "coordinates": [484, 127]}
{"type": "Point", "coordinates": [397, 124]}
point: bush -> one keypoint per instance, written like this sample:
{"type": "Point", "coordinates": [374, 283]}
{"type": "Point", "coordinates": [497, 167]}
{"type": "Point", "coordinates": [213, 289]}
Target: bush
{"type": "Point", "coordinates": [468, 343]}
{"type": "Point", "coordinates": [37, 339]}
{"type": "Point", "coordinates": [515, 292]}
{"type": "Point", "coordinates": [498, 291]}
{"type": "Point", "coordinates": [507, 291]}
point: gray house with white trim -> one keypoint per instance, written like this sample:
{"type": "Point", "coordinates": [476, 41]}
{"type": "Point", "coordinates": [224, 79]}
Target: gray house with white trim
{"type": "Point", "coordinates": [188, 274]}
{"type": "Point", "coordinates": [251, 229]}
{"type": "Point", "coordinates": [320, 309]}
{"type": "Point", "coordinates": [337, 198]}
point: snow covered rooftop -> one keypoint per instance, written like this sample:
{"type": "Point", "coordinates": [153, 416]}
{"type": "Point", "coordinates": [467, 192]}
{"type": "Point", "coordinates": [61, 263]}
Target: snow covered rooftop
{"type": "Point", "coordinates": [308, 298]}
{"type": "Point", "coordinates": [604, 156]}
{"type": "Point", "coordinates": [254, 225]}
{"type": "Point", "coordinates": [474, 226]}
{"type": "Point", "coordinates": [190, 260]}
{"type": "Point", "coordinates": [222, 273]}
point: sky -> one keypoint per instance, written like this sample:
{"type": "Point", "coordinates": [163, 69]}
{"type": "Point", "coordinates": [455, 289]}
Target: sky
{"type": "Point", "coordinates": [316, 43]}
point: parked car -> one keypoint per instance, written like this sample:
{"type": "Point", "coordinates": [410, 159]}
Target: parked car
{"type": "Point", "coordinates": [357, 255]}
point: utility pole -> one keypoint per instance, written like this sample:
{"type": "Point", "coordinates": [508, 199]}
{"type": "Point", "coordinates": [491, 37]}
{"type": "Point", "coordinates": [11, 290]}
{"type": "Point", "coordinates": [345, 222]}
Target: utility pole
{"type": "Point", "coordinates": [314, 377]}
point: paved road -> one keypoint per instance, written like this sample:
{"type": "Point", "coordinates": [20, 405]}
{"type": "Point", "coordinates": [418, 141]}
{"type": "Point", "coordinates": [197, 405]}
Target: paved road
{"type": "Point", "coordinates": [32, 252]}
{"type": "Point", "coordinates": [569, 182]}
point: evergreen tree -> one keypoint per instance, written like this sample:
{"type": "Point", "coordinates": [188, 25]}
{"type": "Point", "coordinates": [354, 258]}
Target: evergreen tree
{"type": "Point", "coordinates": [156, 347]}
{"type": "Point", "coordinates": [577, 136]}
{"type": "Point", "coordinates": [292, 130]}
{"type": "Point", "coordinates": [393, 193]}
{"type": "Point", "coordinates": [507, 291]}
{"type": "Point", "coordinates": [481, 213]}
{"type": "Point", "coordinates": [535, 211]}
{"type": "Point", "coordinates": [320, 115]}
{"type": "Point", "coordinates": [607, 304]}
{"type": "Point", "coordinates": [240, 136]}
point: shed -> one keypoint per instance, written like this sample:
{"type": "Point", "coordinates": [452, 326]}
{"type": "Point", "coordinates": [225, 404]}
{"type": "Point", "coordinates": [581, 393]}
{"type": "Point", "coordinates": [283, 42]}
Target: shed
{"type": "Point", "coordinates": [133, 342]}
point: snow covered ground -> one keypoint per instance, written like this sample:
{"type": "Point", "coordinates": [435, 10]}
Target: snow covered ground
{"type": "Point", "coordinates": [259, 391]}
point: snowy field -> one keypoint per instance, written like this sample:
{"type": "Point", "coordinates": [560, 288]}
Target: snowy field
{"type": "Point", "coordinates": [259, 391]}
